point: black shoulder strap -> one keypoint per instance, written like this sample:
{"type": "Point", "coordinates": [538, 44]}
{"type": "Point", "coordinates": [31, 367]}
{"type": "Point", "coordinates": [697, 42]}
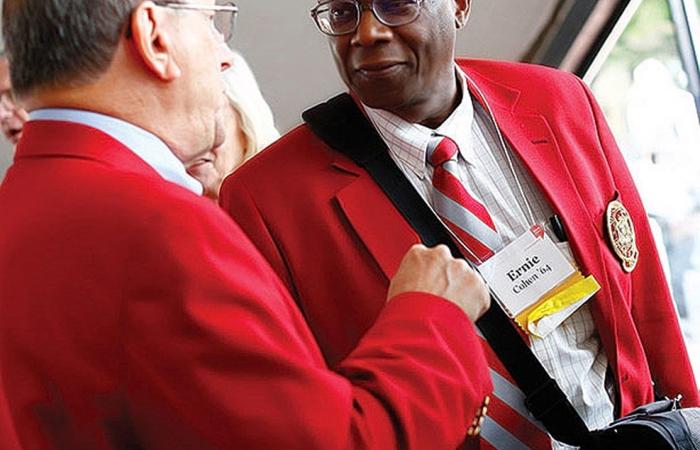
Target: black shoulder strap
{"type": "Point", "coordinates": [342, 125]}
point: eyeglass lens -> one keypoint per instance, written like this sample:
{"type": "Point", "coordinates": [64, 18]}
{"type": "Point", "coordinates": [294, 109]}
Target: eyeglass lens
{"type": "Point", "coordinates": [224, 23]}
{"type": "Point", "coordinates": [343, 16]}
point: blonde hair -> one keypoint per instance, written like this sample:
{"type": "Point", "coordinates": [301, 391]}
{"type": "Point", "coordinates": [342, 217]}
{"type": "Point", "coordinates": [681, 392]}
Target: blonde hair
{"type": "Point", "coordinates": [255, 117]}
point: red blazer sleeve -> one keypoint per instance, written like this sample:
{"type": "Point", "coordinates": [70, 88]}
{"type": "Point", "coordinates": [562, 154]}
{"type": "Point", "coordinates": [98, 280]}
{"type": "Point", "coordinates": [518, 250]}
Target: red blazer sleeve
{"type": "Point", "coordinates": [222, 358]}
{"type": "Point", "coordinates": [654, 315]}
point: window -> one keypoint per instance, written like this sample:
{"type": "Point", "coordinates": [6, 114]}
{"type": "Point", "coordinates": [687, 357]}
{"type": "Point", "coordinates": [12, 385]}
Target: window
{"type": "Point", "coordinates": [646, 93]}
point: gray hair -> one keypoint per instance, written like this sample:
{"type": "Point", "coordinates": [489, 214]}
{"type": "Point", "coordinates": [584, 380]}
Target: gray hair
{"type": "Point", "coordinates": [61, 42]}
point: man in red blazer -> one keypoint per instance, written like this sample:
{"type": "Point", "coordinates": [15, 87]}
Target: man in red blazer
{"type": "Point", "coordinates": [136, 314]}
{"type": "Point", "coordinates": [330, 232]}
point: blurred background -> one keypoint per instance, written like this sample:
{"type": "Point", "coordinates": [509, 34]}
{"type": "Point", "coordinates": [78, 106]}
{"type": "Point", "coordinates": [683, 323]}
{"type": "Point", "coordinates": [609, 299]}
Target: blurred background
{"type": "Point", "coordinates": [639, 56]}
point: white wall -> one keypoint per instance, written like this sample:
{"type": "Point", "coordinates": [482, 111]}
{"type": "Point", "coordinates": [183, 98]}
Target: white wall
{"type": "Point", "coordinates": [5, 156]}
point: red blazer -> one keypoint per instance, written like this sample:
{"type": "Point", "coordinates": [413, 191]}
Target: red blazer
{"type": "Point", "coordinates": [134, 314]}
{"type": "Point", "coordinates": [330, 233]}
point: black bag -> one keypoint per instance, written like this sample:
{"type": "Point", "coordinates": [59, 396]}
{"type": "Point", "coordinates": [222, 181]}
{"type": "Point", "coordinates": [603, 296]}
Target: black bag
{"type": "Point", "coordinates": [656, 426]}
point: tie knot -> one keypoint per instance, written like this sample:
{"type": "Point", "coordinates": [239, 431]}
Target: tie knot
{"type": "Point", "coordinates": [443, 150]}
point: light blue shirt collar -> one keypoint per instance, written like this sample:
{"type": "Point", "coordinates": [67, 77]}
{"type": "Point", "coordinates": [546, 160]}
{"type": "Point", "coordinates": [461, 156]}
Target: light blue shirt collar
{"type": "Point", "coordinates": [144, 144]}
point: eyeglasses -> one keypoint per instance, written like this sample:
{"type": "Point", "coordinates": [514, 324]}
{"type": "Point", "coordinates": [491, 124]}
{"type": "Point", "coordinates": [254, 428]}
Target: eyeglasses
{"type": "Point", "coordinates": [339, 17]}
{"type": "Point", "coordinates": [223, 18]}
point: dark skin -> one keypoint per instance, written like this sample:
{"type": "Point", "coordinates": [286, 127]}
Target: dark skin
{"type": "Point", "coordinates": [407, 70]}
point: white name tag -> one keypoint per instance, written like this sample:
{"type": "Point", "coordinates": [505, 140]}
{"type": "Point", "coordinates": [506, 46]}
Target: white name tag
{"type": "Point", "coordinates": [525, 270]}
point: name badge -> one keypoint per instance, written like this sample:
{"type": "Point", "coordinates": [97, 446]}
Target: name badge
{"type": "Point", "coordinates": [526, 270]}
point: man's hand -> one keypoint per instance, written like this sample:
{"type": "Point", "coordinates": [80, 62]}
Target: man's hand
{"type": "Point", "coordinates": [435, 271]}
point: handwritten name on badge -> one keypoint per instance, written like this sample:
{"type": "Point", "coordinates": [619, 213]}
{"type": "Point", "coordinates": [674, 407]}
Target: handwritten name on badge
{"type": "Point", "coordinates": [525, 270]}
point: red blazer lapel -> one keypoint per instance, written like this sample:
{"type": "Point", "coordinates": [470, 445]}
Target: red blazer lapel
{"type": "Point", "coordinates": [381, 228]}
{"type": "Point", "coordinates": [531, 138]}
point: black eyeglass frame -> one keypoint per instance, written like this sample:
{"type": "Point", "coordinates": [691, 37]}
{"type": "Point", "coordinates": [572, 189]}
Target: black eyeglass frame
{"type": "Point", "coordinates": [228, 7]}
{"type": "Point", "coordinates": [360, 8]}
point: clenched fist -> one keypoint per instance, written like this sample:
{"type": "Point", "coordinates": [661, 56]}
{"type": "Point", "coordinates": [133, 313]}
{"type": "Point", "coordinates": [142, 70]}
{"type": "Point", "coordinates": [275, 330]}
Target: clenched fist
{"type": "Point", "coordinates": [435, 271]}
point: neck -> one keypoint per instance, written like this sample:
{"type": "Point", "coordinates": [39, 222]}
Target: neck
{"type": "Point", "coordinates": [110, 95]}
{"type": "Point", "coordinates": [124, 91]}
{"type": "Point", "coordinates": [431, 112]}
{"type": "Point", "coordinates": [88, 98]}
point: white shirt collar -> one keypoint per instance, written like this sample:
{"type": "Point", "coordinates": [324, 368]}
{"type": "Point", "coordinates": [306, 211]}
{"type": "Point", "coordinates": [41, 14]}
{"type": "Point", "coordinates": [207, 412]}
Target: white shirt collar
{"type": "Point", "coordinates": [408, 142]}
{"type": "Point", "coordinates": [144, 144]}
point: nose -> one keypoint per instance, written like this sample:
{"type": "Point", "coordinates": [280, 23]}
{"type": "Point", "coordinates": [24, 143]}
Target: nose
{"type": "Point", "coordinates": [370, 31]}
{"type": "Point", "coordinates": [225, 57]}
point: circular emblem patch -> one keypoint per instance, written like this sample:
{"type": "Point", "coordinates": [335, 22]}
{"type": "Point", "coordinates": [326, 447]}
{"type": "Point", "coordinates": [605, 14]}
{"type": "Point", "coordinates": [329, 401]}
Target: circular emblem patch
{"type": "Point", "coordinates": [621, 234]}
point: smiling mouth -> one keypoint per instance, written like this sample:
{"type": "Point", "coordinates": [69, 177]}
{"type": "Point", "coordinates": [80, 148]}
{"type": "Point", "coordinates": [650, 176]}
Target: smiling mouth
{"type": "Point", "coordinates": [380, 70]}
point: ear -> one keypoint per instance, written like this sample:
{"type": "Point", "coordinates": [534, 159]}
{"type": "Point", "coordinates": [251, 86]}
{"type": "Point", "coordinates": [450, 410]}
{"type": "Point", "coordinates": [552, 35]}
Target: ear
{"type": "Point", "coordinates": [462, 11]}
{"type": "Point", "coordinates": [153, 42]}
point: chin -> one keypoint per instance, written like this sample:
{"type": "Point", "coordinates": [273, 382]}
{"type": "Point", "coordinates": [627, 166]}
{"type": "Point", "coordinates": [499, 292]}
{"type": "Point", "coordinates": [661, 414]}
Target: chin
{"type": "Point", "coordinates": [387, 99]}
{"type": "Point", "coordinates": [212, 193]}
{"type": "Point", "coordinates": [383, 102]}
{"type": "Point", "coordinates": [211, 186]}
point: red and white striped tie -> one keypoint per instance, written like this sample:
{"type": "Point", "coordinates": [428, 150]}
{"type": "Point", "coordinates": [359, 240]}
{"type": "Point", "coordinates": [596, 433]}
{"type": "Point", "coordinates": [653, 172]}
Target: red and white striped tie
{"type": "Point", "coordinates": [509, 425]}
{"type": "Point", "coordinates": [466, 216]}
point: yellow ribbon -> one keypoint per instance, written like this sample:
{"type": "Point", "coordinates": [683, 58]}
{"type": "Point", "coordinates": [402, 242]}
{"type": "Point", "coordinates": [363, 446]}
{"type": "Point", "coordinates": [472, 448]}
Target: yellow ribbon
{"type": "Point", "coordinates": [571, 291]}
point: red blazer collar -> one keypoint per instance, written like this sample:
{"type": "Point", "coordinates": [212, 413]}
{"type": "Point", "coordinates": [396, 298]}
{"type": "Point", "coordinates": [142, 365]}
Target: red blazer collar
{"type": "Point", "coordinates": [497, 93]}
{"type": "Point", "coordinates": [49, 138]}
